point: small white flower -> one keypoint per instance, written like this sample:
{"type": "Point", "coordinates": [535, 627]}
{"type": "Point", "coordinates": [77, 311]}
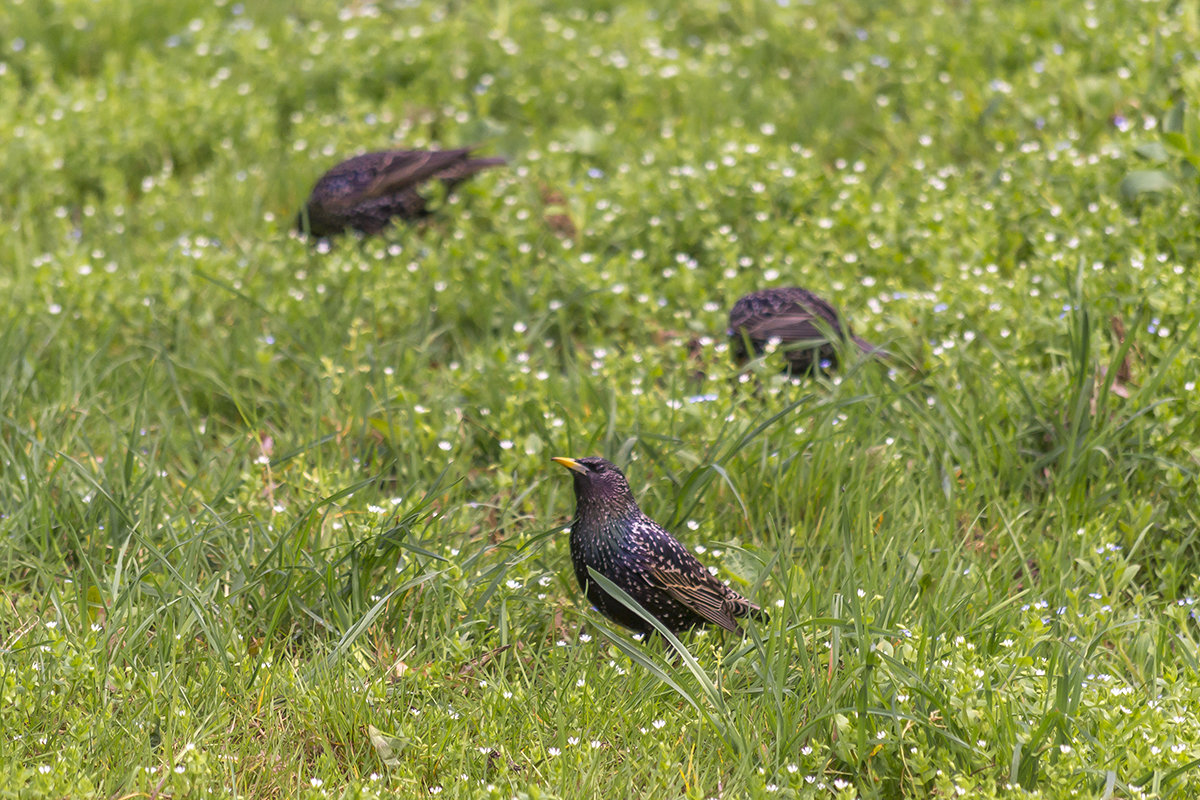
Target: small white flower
{"type": "Point", "coordinates": [553, 751]}
{"type": "Point", "coordinates": [658, 723]}
{"type": "Point", "coordinates": [316, 782]}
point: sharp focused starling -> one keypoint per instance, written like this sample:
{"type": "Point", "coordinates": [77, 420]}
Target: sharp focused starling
{"type": "Point", "coordinates": [798, 319]}
{"type": "Point", "coordinates": [366, 191]}
{"type": "Point", "coordinates": [611, 535]}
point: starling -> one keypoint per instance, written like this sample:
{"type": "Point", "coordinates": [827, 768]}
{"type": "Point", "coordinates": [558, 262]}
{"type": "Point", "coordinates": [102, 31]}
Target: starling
{"type": "Point", "coordinates": [611, 535]}
{"type": "Point", "coordinates": [795, 317]}
{"type": "Point", "coordinates": [366, 191]}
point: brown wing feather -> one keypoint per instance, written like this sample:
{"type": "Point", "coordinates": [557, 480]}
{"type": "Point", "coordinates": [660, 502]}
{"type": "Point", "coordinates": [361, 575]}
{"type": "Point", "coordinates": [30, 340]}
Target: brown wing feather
{"type": "Point", "coordinates": [405, 169]}
{"type": "Point", "coordinates": [708, 598]}
{"type": "Point", "coordinates": [798, 327]}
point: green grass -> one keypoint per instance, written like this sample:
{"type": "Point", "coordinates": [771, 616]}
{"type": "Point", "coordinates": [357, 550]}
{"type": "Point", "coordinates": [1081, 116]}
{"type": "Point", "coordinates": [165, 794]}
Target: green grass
{"type": "Point", "coordinates": [281, 521]}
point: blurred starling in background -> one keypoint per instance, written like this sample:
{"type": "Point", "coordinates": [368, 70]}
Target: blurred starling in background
{"type": "Point", "coordinates": [799, 321]}
{"type": "Point", "coordinates": [366, 191]}
{"type": "Point", "coordinates": [611, 535]}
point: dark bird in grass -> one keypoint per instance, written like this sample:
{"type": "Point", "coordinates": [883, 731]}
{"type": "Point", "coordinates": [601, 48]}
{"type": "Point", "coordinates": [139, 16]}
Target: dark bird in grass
{"type": "Point", "coordinates": [800, 322]}
{"type": "Point", "coordinates": [367, 191]}
{"type": "Point", "coordinates": [611, 535]}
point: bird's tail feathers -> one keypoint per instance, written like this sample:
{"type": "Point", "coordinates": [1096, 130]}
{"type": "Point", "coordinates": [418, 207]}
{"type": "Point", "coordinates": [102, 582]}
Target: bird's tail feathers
{"type": "Point", "coordinates": [870, 349]}
{"type": "Point", "coordinates": [465, 169]}
{"type": "Point", "coordinates": [490, 161]}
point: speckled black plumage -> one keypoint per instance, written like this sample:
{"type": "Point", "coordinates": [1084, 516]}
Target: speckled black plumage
{"type": "Point", "coordinates": [793, 316]}
{"type": "Point", "coordinates": [367, 191]}
{"type": "Point", "coordinates": [611, 535]}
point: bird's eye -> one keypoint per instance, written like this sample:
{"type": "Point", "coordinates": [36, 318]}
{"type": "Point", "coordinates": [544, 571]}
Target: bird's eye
{"type": "Point", "coordinates": [599, 468]}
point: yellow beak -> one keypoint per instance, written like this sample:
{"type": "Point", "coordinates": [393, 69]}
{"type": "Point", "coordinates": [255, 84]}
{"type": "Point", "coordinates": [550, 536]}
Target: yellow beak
{"type": "Point", "coordinates": [570, 464]}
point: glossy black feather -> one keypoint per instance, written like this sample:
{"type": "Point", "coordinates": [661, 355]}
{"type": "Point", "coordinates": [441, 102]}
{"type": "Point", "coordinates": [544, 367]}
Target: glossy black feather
{"type": "Point", "coordinates": [611, 535]}
{"type": "Point", "coordinates": [366, 192]}
{"type": "Point", "coordinates": [803, 323]}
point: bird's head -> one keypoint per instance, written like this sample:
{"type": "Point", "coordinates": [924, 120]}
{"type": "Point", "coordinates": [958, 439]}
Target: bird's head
{"type": "Point", "coordinates": [598, 482]}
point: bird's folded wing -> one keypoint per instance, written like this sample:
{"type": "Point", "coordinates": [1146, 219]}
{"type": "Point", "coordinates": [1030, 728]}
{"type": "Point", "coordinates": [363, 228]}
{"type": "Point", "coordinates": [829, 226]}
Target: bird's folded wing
{"type": "Point", "coordinates": [403, 170]}
{"type": "Point", "coordinates": [798, 327]}
{"type": "Point", "coordinates": [707, 598]}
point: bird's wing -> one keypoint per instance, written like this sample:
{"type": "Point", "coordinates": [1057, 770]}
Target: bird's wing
{"type": "Point", "coordinates": [404, 169]}
{"type": "Point", "coordinates": [790, 327]}
{"type": "Point", "coordinates": [705, 595]}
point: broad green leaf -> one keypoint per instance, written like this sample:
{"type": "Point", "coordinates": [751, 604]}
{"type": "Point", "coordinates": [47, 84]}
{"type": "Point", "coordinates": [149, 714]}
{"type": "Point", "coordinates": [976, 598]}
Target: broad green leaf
{"type": "Point", "coordinates": [1153, 151]}
{"type": "Point", "coordinates": [1145, 181]}
{"type": "Point", "coordinates": [1175, 117]}
{"type": "Point", "coordinates": [387, 747]}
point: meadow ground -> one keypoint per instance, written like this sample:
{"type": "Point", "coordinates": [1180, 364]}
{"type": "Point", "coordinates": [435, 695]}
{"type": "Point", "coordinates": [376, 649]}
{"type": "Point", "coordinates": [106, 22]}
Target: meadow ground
{"type": "Point", "coordinates": [281, 521]}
